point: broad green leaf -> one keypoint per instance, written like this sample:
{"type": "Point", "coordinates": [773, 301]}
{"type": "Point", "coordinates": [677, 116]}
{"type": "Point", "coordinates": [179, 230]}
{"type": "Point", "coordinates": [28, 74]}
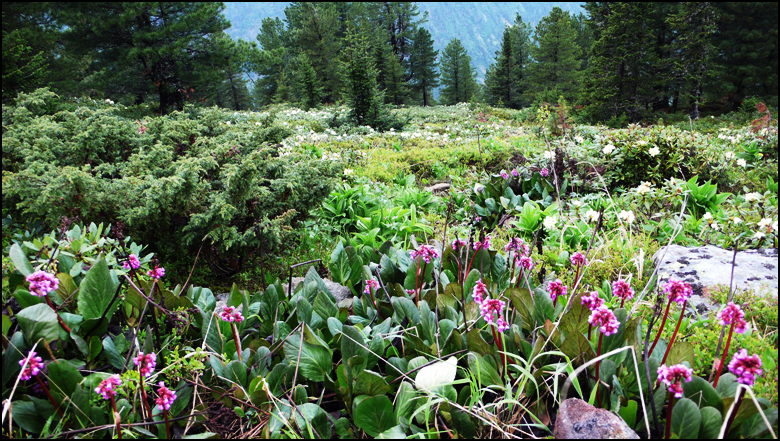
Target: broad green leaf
{"type": "Point", "coordinates": [375, 415]}
{"type": "Point", "coordinates": [754, 426]}
{"type": "Point", "coordinates": [485, 373]}
{"type": "Point", "coordinates": [475, 343]}
{"type": "Point", "coordinates": [711, 420]}
{"type": "Point", "coordinates": [686, 419]}
{"type": "Point", "coordinates": [681, 351]}
{"type": "Point", "coordinates": [344, 429]}
{"type": "Point", "coordinates": [315, 361]}
{"type": "Point", "coordinates": [339, 266]}
{"type": "Point", "coordinates": [312, 420]}
{"type": "Point", "coordinates": [727, 385]}
{"type": "Point", "coordinates": [628, 413]}
{"type": "Point", "coordinates": [371, 384]}
{"type": "Point", "coordinates": [112, 353]}
{"type": "Point", "coordinates": [352, 343]}
{"type": "Point", "coordinates": [38, 321]}
{"type": "Point", "coordinates": [20, 261]}
{"type": "Point", "coordinates": [26, 416]}
{"type": "Point", "coordinates": [182, 402]}
{"type": "Point", "coordinates": [96, 292]}
{"type": "Point", "coordinates": [235, 371]}
{"type": "Point", "coordinates": [25, 299]}
{"type": "Point", "coordinates": [395, 432]}
{"type": "Point", "coordinates": [577, 347]}
{"type": "Point", "coordinates": [469, 283]}
{"type": "Point", "coordinates": [701, 392]}
{"type": "Point", "coordinates": [12, 355]}
{"type": "Point", "coordinates": [406, 308]}
{"type": "Point", "coordinates": [324, 306]}
{"type": "Point", "coordinates": [63, 378]}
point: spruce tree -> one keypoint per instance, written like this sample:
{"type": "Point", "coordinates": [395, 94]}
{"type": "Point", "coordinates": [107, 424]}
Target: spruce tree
{"type": "Point", "coordinates": [309, 83]}
{"type": "Point", "coordinates": [422, 67]}
{"type": "Point", "coordinates": [274, 61]}
{"type": "Point", "coordinates": [458, 76]}
{"type": "Point", "coordinates": [506, 80]}
{"type": "Point", "coordinates": [557, 55]}
{"type": "Point", "coordinates": [359, 77]}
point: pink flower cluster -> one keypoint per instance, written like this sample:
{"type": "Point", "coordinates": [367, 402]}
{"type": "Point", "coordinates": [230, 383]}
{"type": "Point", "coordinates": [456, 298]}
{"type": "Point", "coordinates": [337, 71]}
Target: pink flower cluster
{"type": "Point", "coordinates": [556, 289]}
{"type": "Point", "coordinates": [458, 244]}
{"type": "Point", "coordinates": [578, 259]}
{"type": "Point", "coordinates": [592, 300]}
{"type": "Point", "coordinates": [522, 252]}
{"type": "Point", "coordinates": [107, 387]}
{"type": "Point", "coordinates": [672, 377]}
{"type": "Point", "coordinates": [504, 174]}
{"type": "Point", "coordinates": [42, 283]}
{"type": "Point", "coordinates": [229, 314]}
{"type": "Point", "coordinates": [746, 367]}
{"type": "Point", "coordinates": [544, 172]}
{"type": "Point", "coordinates": [132, 262]}
{"type": "Point", "coordinates": [732, 314]}
{"type": "Point", "coordinates": [492, 309]}
{"type": "Point", "coordinates": [515, 173]}
{"type": "Point", "coordinates": [678, 290]}
{"type": "Point", "coordinates": [605, 319]}
{"type": "Point", "coordinates": [34, 365]}
{"type": "Point", "coordinates": [426, 253]}
{"type": "Point", "coordinates": [156, 273]}
{"type": "Point", "coordinates": [166, 397]}
{"type": "Point", "coordinates": [485, 244]}
{"type": "Point", "coordinates": [370, 284]}
{"type": "Point", "coordinates": [621, 289]}
{"type": "Point", "coordinates": [146, 363]}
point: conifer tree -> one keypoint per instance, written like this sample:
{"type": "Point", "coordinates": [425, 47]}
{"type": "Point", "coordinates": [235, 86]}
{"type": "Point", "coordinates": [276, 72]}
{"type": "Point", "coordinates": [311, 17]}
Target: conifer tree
{"type": "Point", "coordinates": [359, 76]}
{"type": "Point", "coordinates": [309, 83]}
{"type": "Point", "coordinates": [556, 70]}
{"type": "Point", "coordinates": [273, 61]}
{"type": "Point", "coordinates": [458, 76]}
{"type": "Point", "coordinates": [422, 67]}
{"type": "Point", "coordinates": [506, 80]}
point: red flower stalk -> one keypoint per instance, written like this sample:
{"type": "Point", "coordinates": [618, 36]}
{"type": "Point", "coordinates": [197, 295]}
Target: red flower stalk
{"type": "Point", "coordinates": [730, 315]}
{"type": "Point", "coordinates": [679, 292]}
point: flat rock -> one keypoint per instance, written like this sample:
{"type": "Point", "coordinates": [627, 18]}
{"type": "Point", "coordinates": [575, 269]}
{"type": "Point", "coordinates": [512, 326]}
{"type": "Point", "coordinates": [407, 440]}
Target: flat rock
{"type": "Point", "coordinates": [579, 420]}
{"type": "Point", "coordinates": [707, 266]}
{"type": "Point", "coordinates": [438, 187]}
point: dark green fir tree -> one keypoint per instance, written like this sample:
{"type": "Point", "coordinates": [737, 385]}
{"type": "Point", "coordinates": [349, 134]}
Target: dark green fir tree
{"type": "Point", "coordinates": [422, 67]}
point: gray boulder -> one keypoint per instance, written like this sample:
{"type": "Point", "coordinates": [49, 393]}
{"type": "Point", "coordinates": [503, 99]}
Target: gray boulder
{"type": "Point", "coordinates": [579, 420]}
{"type": "Point", "coordinates": [707, 266]}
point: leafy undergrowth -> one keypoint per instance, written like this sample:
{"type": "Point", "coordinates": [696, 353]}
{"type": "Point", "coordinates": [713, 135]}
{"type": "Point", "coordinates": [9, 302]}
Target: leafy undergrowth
{"type": "Point", "coordinates": [474, 312]}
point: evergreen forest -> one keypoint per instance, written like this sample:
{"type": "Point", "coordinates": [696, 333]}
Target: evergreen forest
{"type": "Point", "coordinates": [390, 220]}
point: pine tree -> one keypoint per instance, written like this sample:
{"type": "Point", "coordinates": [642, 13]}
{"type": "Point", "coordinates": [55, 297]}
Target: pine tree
{"type": "Point", "coordinates": [359, 74]}
{"type": "Point", "coordinates": [273, 61]}
{"type": "Point", "coordinates": [694, 24]}
{"type": "Point", "coordinates": [458, 76]}
{"type": "Point", "coordinates": [506, 80]}
{"type": "Point", "coordinates": [557, 56]}
{"type": "Point", "coordinates": [624, 73]}
{"type": "Point", "coordinates": [309, 84]}
{"type": "Point", "coordinates": [422, 67]}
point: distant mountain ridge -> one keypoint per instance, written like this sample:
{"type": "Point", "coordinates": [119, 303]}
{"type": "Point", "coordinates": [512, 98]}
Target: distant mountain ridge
{"type": "Point", "coordinates": [478, 25]}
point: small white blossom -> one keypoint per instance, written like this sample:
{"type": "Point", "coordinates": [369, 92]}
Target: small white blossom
{"type": "Point", "coordinates": [759, 235]}
{"type": "Point", "coordinates": [644, 188]}
{"type": "Point", "coordinates": [592, 216]}
{"type": "Point", "coordinates": [642, 142]}
{"type": "Point", "coordinates": [349, 171]}
{"type": "Point", "coordinates": [741, 162]}
{"type": "Point", "coordinates": [608, 149]}
{"type": "Point", "coordinates": [549, 155]}
{"type": "Point", "coordinates": [714, 225]}
{"type": "Point", "coordinates": [627, 216]}
{"type": "Point", "coordinates": [549, 222]}
{"type": "Point", "coordinates": [736, 220]}
{"type": "Point", "coordinates": [579, 139]}
{"type": "Point", "coordinates": [730, 155]}
{"type": "Point", "coordinates": [577, 203]}
{"type": "Point", "coordinates": [655, 151]}
{"type": "Point", "coordinates": [707, 216]}
{"type": "Point", "coordinates": [753, 197]}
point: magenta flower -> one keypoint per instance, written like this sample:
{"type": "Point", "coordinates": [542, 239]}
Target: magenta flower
{"type": "Point", "coordinates": [107, 387]}
{"type": "Point", "coordinates": [745, 367]}
{"type": "Point", "coordinates": [156, 273]}
{"type": "Point", "coordinates": [42, 283]}
{"type": "Point", "coordinates": [544, 172]}
{"type": "Point", "coordinates": [426, 253]}
{"type": "Point", "coordinates": [132, 262]}
{"type": "Point", "coordinates": [480, 291]}
{"type": "Point", "coordinates": [578, 259]}
{"type": "Point", "coordinates": [678, 290]}
{"type": "Point", "coordinates": [556, 289]}
{"type": "Point", "coordinates": [492, 310]}
{"type": "Point", "coordinates": [515, 173]}
{"type": "Point", "coordinates": [166, 397]}
{"type": "Point", "coordinates": [484, 244]}
{"type": "Point", "coordinates": [622, 290]}
{"type": "Point", "coordinates": [605, 319]}
{"type": "Point", "coordinates": [672, 377]}
{"type": "Point", "coordinates": [370, 284]}
{"type": "Point", "coordinates": [458, 244]}
{"type": "Point", "coordinates": [732, 314]}
{"type": "Point", "coordinates": [592, 300]}
{"type": "Point", "coordinates": [229, 314]}
{"type": "Point", "coordinates": [525, 262]}
{"type": "Point", "coordinates": [146, 363]}
{"type": "Point", "coordinates": [34, 365]}
{"type": "Point", "coordinates": [410, 291]}
{"type": "Point", "coordinates": [504, 174]}
{"type": "Point", "coordinates": [518, 246]}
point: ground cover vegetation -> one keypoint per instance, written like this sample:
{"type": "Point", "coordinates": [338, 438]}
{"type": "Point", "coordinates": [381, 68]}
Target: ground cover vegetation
{"type": "Point", "coordinates": [149, 243]}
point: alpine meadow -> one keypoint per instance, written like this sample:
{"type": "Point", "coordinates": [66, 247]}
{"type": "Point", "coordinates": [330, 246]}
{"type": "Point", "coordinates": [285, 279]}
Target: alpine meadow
{"type": "Point", "coordinates": [390, 220]}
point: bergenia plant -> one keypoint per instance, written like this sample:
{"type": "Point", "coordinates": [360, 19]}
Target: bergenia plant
{"type": "Point", "coordinates": [679, 292]}
{"type": "Point", "coordinates": [107, 389]}
{"type": "Point", "coordinates": [556, 289]}
{"type": "Point", "coordinates": [731, 315]}
{"type": "Point", "coordinates": [165, 399]}
{"type": "Point", "coordinates": [492, 311]}
{"type": "Point", "coordinates": [591, 301]}
{"type": "Point", "coordinates": [41, 284]}
{"type": "Point", "coordinates": [673, 377]}
{"type": "Point", "coordinates": [426, 254]}
{"type": "Point", "coordinates": [230, 315]}
{"type": "Point", "coordinates": [605, 319]}
{"type": "Point", "coordinates": [622, 290]}
{"type": "Point", "coordinates": [746, 368]}
{"type": "Point", "coordinates": [146, 364]}
{"type": "Point", "coordinates": [32, 365]}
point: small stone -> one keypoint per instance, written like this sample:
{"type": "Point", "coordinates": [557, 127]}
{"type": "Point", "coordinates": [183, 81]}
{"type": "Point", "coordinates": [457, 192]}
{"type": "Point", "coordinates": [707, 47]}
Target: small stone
{"type": "Point", "coordinates": [579, 420]}
{"type": "Point", "coordinates": [438, 187]}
